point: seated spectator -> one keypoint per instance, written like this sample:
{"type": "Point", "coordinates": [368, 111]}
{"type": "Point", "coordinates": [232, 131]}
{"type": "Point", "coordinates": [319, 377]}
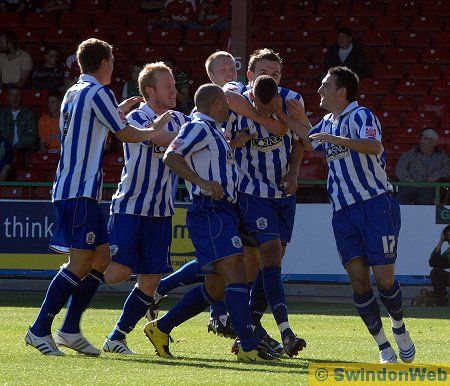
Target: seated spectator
{"type": "Point", "coordinates": [13, 5]}
{"type": "Point", "coordinates": [180, 14]}
{"type": "Point", "coordinates": [345, 52]}
{"type": "Point", "coordinates": [15, 64]}
{"type": "Point", "coordinates": [6, 158]}
{"type": "Point", "coordinates": [184, 102]}
{"type": "Point", "coordinates": [131, 88]}
{"type": "Point", "coordinates": [215, 14]}
{"type": "Point", "coordinates": [425, 163]}
{"type": "Point", "coordinates": [440, 263]}
{"type": "Point", "coordinates": [50, 74]}
{"type": "Point", "coordinates": [18, 123]}
{"type": "Point", "coordinates": [48, 126]}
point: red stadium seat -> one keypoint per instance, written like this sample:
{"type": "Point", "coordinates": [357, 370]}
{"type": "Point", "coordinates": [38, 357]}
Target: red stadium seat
{"type": "Point", "coordinates": [10, 19]}
{"type": "Point", "coordinates": [334, 8]}
{"type": "Point", "coordinates": [367, 100]}
{"type": "Point", "coordinates": [434, 103]}
{"type": "Point", "coordinates": [313, 169]}
{"type": "Point", "coordinates": [426, 24]}
{"type": "Point", "coordinates": [42, 161]}
{"type": "Point", "coordinates": [263, 8]}
{"type": "Point", "coordinates": [367, 8]}
{"type": "Point", "coordinates": [390, 22]}
{"type": "Point", "coordinates": [433, 8]}
{"type": "Point", "coordinates": [111, 176]}
{"type": "Point", "coordinates": [304, 86]}
{"type": "Point", "coordinates": [441, 39]}
{"type": "Point", "coordinates": [405, 8]}
{"type": "Point", "coordinates": [375, 86]}
{"type": "Point", "coordinates": [397, 103]}
{"type": "Point", "coordinates": [150, 54]}
{"type": "Point", "coordinates": [95, 32]}
{"type": "Point", "coordinates": [27, 35]}
{"type": "Point", "coordinates": [113, 162]}
{"type": "Point", "coordinates": [391, 162]}
{"type": "Point", "coordinates": [295, 55]}
{"type": "Point", "coordinates": [402, 55]}
{"type": "Point", "coordinates": [165, 36]}
{"type": "Point", "coordinates": [124, 7]}
{"type": "Point", "coordinates": [284, 23]}
{"type": "Point", "coordinates": [377, 39]}
{"type": "Point", "coordinates": [90, 6]}
{"type": "Point", "coordinates": [288, 72]}
{"type": "Point", "coordinates": [59, 35]}
{"type": "Point", "coordinates": [298, 8]}
{"type": "Point", "coordinates": [318, 54]}
{"type": "Point", "coordinates": [14, 192]}
{"type": "Point", "coordinates": [389, 119]}
{"type": "Point", "coordinates": [436, 55]}
{"type": "Point", "coordinates": [268, 39]}
{"type": "Point", "coordinates": [75, 20]}
{"type": "Point", "coordinates": [408, 135]}
{"type": "Point", "coordinates": [396, 148]}
{"type": "Point", "coordinates": [444, 135]}
{"type": "Point", "coordinates": [412, 39]}
{"type": "Point", "coordinates": [312, 71]}
{"type": "Point", "coordinates": [40, 20]}
{"type": "Point", "coordinates": [320, 23]}
{"type": "Point", "coordinates": [126, 35]}
{"type": "Point", "coordinates": [107, 194]}
{"type": "Point", "coordinates": [303, 38]}
{"type": "Point", "coordinates": [312, 105]}
{"type": "Point", "coordinates": [109, 21]}
{"type": "Point", "coordinates": [29, 175]}
{"type": "Point", "coordinates": [200, 37]}
{"type": "Point", "coordinates": [388, 71]}
{"type": "Point", "coordinates": [41, 193]}
{"type": "Point", "coordinates": [411, 87]}
{"type": "Point", "coordinates": [34, 97]}
{"type": "Point", "coordinates": [424, 71]}
{"type": "Point", "coordinates": [441, 87]}
{"type": "Point", "coordinates": [420, 119]}
{"type": "Point", "coordinates": [356, 24]}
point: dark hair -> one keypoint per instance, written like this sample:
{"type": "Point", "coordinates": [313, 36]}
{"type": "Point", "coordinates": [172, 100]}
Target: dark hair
{"type": "Point", "coordinates": [345, 30]}
{"type": "Point", "coordinates": [10, 37]}
{"type": "Point", "coordinates": [265, 88]}
{"type": "Point", "coordinates": [90, 54]}
{"type": "Point", "coordinates": [206, 95]}
{"type": "Point", "coordinates": [263, 54]}
{"type": "Point", "coordinates": [50, 48]}
{"type": "Point", "coordinates": [346, 78]}
{"type": "Point", "coordinates": [14, 88]}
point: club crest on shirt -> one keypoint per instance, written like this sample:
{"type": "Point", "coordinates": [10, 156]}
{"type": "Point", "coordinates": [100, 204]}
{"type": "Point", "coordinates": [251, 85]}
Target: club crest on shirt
{"type": "Point", "coordinates": [114, 249]}
{"type": "Point", "coordinates": [176, 144]}
{"type": "Point", "coordinates": [267, 144]}
{"type": "Point", "coordinates": [371, 132]}
{"type": "Point", "coordinates": [90, 238]}
{"type": "Point", "coordinates": [236, 241]}
{"type": "Point", "coordinates": [336, 152]}
{"type": "Point", "coordinates": [261, 223]}
{"type": "Point", "coordinates": [344, 130]}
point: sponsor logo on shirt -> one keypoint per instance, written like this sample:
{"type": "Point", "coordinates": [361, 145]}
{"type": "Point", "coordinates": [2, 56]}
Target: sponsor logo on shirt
{"type": "Point", "coordinates": [158, 151]}
{"type": "Point", "coordinates": [371, 132]}
{"type": "Point", "coordinates": [336, 152]}
{"type": "Point", "coordinates": [267, 144]}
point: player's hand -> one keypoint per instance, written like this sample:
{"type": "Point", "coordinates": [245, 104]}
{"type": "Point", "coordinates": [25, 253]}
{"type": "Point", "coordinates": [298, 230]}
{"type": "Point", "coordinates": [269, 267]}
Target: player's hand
{"type": "Point", "coordinates": [289, 183]}
{"type": "Point", "coordinates": [214, 188]}
{"type": "Point", "coordinates": [243, 137]}
{"type": "Point", "coordinates": [274, 126]}
{"type": "Point", "coordinates": [323, 137]}
{"type": "Point", "coordinates": [160, 122]}
{"type": "Point", "coordinates": [127, 104]}
{"type": "Point", "coordinates": [296, 110]}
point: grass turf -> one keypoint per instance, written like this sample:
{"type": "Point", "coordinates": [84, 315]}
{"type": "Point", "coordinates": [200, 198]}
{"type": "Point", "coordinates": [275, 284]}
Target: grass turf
{"type": "Point", "coordinates": [333, 333]}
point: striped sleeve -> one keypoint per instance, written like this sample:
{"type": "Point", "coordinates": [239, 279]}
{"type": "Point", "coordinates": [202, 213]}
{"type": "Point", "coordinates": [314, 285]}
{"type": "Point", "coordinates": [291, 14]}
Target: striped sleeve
{"type": "Point", "coordinates": [192, 137]}
{"type": "Point", "coordinates": [107, 111]}
{"type": "Point", "coordinates": [315, 130]}
{"type": "Point", "coordinates": [366, 125]}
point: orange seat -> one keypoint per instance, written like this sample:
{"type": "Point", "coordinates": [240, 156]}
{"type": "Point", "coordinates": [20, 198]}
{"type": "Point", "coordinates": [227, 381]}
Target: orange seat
{"type": "Point", "coordinates": [388, 70]}
{"type": "Point", "coordinates": [411, 87]}
{"type": "Point", "coordinates": [424, 71]}
{"type": "Point", "coordinates": [165, 36]}
{"type": "Point", "coordinates": [420, 119]}
{"type": "Point", "coordinates": [436, 55]}
{"type": "Point", "coordinates": [412, 39]}
{"type": "Point", "coordinates": [426, 24]}
{"type": "Point", "coordinates": [401, 55]}
{"type": "Point", "coordinates": [397, 103]}
{"type": "Point", "coordinates": [29, 175]}
{"type": "Point", "coordinates": [441, 87]}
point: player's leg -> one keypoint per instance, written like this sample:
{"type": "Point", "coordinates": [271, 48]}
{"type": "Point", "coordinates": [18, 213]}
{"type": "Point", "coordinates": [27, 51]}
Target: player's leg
{"type": "Point", "coordinates": [186, 275]}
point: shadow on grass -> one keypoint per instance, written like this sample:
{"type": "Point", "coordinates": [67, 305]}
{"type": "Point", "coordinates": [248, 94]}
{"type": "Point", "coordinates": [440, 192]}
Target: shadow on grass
{"type": "Point", "coordinates": [115, 302]}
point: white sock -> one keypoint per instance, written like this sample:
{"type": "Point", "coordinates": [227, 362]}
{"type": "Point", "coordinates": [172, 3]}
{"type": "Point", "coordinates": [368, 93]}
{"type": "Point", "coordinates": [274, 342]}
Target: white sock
{"type": "Point", "coordinates": [380, 338]}
{"type": "Point", "coordinates": [397, 323]}
{"type": "Point", "coordinates": [284, 326]}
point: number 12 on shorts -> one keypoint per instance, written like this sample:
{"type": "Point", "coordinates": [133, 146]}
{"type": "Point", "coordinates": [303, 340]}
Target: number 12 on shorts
{"type": "Point", "coordinates": [389, 243]}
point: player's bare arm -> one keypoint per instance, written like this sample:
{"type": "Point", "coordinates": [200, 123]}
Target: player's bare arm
{"type": "Point", "coordinates": [126, 105]}
{"type": "Point", "coordinates": [133, 134]}
{"type": "Point", "coordinates": [179, 166]}
{"type": "Point", "coordinates": [241, 139]}
{"type": "Point", "coordinates": [289, 181]}
{"type": "Point", "coordinates": [365, 146]}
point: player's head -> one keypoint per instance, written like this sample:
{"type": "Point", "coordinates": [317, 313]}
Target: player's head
{"type": "Point", "coordinates": [428, 141]}
{"type": "Point", "coordinates": [264, 62]}
{"type": "Point", "coordinates": [265, 93]}
{"type": "Point", "coordinates": [211, 100]}
{"type": "Point", "coordinates": [338, 88]}
{"type": "Point", "coordinates": [95, 58]}
{"type": "Point", "coordinates": [344, 37]}
{"type": "Point", "coordinates": [157, 86]}
{"type": "Point", "coordinates": [221, 68]}
{"type": "Point", "coordinates": [54, 102]}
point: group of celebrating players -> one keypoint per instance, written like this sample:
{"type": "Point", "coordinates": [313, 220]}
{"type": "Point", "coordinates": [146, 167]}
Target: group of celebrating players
{"type": "Point", "coordinates": [239, 152]}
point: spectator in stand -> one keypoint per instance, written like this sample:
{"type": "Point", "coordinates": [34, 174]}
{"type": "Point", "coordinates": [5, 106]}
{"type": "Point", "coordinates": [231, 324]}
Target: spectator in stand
{"type": "Point", "coordinates": [18, 123]}
{"type": "Point", "coordinates": [440, 263]}
{"type": "Point", "coordinates": [424, 163]}
{"type": "Point", "coordinates": [48, 126]}
{"type": "Point", "coordinates": [50, 74]}
{"type": "Point", "coordinates": [13, 5]}
{"type": "Point", "coordinates": [6, 158]}
{"type": "Point", "coordinates": [180, 14]}
{"type": "Point", "coordinates": [184, 102]}
{"type": "Point", "coordinates": [15, 64]}
{"type": "Point", "coordinates": [215, 14]}
{"type": "Point", "coordinates": [346, 52]}
{"type": "Point", "coordinates": [131, 88]}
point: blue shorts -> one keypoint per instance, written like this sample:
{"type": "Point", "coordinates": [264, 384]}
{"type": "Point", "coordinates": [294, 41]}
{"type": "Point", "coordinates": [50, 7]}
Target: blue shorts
{"type": "Point", "coordinates": [368, 229]}
{"type": "Point", "coordinates": [267, 219]}
{"type": "Point", "coordinates": [213, 228]}
{"type": "Point", "coordinates": [80, 224]}
{"type": "Point", "coordinates": [141, 243]}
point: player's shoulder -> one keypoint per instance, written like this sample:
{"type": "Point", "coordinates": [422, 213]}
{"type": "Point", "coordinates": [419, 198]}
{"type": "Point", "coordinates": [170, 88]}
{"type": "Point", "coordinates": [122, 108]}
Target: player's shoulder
{"type": "Point", "coordinates": [139, 117]}
{"type": "Point", "coordinates": [235, 87]}
{"type": "Point", "coordinates": [362, 114]}
{"type": "Point", "coordinates": [287, 93]}
{"type": "Point", "coordinates": [179, 118]}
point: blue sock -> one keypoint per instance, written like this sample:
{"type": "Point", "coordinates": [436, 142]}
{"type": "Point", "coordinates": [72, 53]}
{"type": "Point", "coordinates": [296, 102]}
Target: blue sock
{"type": "Point", "coordinates": [392, 300]}
{"type": "Point", "coordinates": [274, 290]}
{"type": "Point", "coordinates": [218, 309]}
{"type": "Point", "coordinates": [134, 309]}
{"type": "Point", "coordinates": [194, 301]}
{"type": "Point", "coordinates": [236, 301]}
{"type": "Point", "coordinates": [187, 274]}
{"type": "Point", "coordinates": [80, 300]}
{"type": "Point", "coordinates": [369, 311]}
{"type": "Point", "coordinates": [258, 299]}
{"type": "Point", "coordinates": [59, 290]}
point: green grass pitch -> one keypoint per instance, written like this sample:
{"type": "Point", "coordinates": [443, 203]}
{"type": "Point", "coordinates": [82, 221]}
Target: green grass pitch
{"type": "Point", "coordinates": [332, 331]}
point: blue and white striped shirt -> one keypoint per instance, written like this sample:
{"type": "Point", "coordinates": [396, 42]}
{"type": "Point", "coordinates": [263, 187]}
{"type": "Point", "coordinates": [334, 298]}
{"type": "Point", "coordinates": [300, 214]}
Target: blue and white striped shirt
{"type": "Point", "coordinates": [264, 159]}
{"type": "Point", "coordinates": [88, 111]}
{"type": "Point", "coordinates": [208, 153]}
{"type": "Point", "coordinates": [145, 186]}
{"type": "Point", "coordinates": [352, 176]}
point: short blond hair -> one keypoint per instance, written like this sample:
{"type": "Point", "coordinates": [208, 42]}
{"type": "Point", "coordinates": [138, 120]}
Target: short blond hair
{"type": "Point", "coordinates": [212, 58]}
{"type": "Point", "coordinates": [147, 76]}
